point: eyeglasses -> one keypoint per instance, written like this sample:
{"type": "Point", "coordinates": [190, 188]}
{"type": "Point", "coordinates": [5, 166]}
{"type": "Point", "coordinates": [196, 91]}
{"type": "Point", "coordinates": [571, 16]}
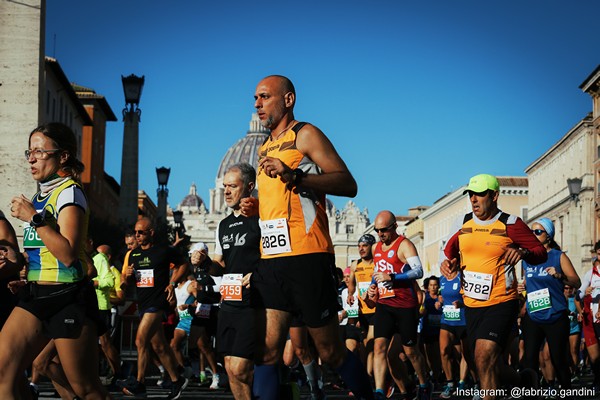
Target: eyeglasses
{"type": "Point", "coordinates": [538, 232]}
{"type": "Point", "coordinates": [145, 232]}
{"type": "Point", "coordinates": [39, 154]}
{"type": "Point", "coordinates": [387, 228]}
{"type": "Point", "coordinates": [478, 194]}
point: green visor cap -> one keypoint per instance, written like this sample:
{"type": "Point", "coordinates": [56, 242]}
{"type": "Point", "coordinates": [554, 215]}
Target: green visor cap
{"type": "Point", "coordinates": [482, 182]}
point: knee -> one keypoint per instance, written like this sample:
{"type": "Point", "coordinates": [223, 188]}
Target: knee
{"type": "Point", "coordinates": [380, 348]}
{"type": "Point", "coordinates": [141, 342]}
{"type": "Point", "coordinates": [159, 348]}
{"type": "Point", "coordinates": [239, 373]}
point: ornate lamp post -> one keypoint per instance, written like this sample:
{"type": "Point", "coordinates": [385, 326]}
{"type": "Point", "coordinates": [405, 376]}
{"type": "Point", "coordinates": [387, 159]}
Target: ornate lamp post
{"type": "Point", "coordinates": [128, 198]}
{"type": "Point", "coordinates": [162, 175]}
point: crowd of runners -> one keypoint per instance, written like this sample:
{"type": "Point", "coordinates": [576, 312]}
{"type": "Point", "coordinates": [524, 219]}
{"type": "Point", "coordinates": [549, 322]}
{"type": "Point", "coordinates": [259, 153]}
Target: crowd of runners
{"type": "Point", "coordinates": [269, 309]}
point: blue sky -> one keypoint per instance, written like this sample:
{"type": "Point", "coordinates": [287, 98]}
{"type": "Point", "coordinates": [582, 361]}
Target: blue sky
{"type": "Point", "coordinates": [417, 96]}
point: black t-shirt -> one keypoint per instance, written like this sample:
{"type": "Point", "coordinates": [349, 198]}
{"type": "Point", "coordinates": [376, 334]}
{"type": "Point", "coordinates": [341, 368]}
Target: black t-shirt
{"type": "Point", "coordinates": [239, 241]}
{"type": "Point", "coordinates": [152, 272]}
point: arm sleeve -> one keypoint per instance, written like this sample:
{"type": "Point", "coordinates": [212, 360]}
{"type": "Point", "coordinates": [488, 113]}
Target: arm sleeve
{"type": "Point", "coordinates": [521, 235]}
{"type": "Point", "coordinates": [415, 271]}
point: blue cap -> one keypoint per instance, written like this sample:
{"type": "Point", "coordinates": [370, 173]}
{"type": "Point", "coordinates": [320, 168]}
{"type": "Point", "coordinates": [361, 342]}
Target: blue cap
{"type": "Point", "coordinates": [548, 226]}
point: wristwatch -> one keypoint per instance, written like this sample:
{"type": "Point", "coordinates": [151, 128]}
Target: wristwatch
{"type": "Point", "coordinates": [37, 220]}
{"type": "Point", "coordinates": [298, 176]}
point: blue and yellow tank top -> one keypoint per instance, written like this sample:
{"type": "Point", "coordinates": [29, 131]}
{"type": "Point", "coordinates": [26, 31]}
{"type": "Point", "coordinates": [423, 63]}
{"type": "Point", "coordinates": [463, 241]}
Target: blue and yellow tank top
{"type": "Point", "coordinates": [43, 265]}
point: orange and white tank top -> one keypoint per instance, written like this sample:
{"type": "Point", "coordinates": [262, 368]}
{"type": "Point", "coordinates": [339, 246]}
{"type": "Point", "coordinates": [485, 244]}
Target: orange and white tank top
{"type": "Point", "coordinates": [486, 280]}
{"type": "Point", "coordinates": [293, 222]}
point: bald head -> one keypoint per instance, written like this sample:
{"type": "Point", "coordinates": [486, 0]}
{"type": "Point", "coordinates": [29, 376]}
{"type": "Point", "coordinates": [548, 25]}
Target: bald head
{"type": "Point", "coordinates": [384, 218]}
{"type": "Point", "coordinates": [385, 226]}
{"type": "Point", "coordinates": [283, 84]}
{"type": "Point", "coordinates": [104, 249]}
{"type": "Point", "coordinates": [144, 231]}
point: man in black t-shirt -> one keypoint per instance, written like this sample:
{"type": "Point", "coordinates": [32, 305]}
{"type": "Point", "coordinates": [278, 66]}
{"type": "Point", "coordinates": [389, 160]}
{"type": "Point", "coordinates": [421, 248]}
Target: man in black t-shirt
{"type": "Point", "coordinates": [148, 268]}
{"type": "Point", "coordinates": [237, 250]}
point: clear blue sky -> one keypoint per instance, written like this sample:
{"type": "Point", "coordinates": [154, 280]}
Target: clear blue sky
{"type": "Point", "coordinates": [417, 96]}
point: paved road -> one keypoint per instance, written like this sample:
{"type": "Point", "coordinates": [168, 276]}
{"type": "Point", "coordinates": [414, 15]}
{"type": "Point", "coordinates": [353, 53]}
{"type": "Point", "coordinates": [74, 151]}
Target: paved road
{"type": "Point", "coordinates": [194, 391]}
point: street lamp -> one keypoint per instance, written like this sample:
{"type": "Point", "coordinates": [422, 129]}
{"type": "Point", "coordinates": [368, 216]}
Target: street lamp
{"type": "Point", "coordinates": [128, 197]}
{"type": "Point", "coordinates": [132, 87]}
{"type": "Point", "coordinates": [162, 175]}
{"type": "Point", "coordinates": [574, 185]}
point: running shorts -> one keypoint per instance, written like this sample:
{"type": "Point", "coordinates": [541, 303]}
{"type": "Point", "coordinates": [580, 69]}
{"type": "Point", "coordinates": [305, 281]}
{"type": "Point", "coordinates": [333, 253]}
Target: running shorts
{"type": "Point", "coordinates": [303, 285]}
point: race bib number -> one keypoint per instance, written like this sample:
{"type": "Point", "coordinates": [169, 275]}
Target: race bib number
{"type": "Point", "coordinates": [363, 287]}
{"type": "Point", "coordinates": [352, 312]}
{"type": "Point", "coordinates": [184, 314]}
{"type": "Point", "coordinates": [451, 313]}
{"type": "Point", "coordinates": [539, 300]}
{"type": "Point", "coordinates": [30, 237]}
{"type": "Point", "coordinates": [144, 278]}
{"type": "Point", "coordinates": [384, 292]}
{"type": "Point", "coordinates": [231, 287]}
{"type": "Point", "coordinates": [275, 237]}
{"type": "Point", "coordinates": [203, 310]}
{"type": "Point", "coordinates": [477, 285]}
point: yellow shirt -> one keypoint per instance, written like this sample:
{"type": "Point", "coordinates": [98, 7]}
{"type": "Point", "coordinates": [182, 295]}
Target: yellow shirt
{"type": "Point", "coordinates": [304, 210]}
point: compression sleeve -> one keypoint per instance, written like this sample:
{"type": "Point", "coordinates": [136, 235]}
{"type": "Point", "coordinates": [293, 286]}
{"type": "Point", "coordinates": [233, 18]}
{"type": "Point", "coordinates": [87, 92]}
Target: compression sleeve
{"type": "Point", "coordinates": [415, 271]}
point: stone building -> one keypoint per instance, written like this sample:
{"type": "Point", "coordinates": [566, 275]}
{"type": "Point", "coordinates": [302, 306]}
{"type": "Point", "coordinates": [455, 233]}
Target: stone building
{"type": "Point", "coordinates": [591, 86]}
{"type": "Point", "coordinates": [200, 222]}
{"type": "Point", "coordinates": [572, 157]}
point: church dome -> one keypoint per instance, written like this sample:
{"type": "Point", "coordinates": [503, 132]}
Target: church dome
{"type": "Point", "coordinates": [192, 200]}
{"type": "Point", "coordinates": [245, 149]}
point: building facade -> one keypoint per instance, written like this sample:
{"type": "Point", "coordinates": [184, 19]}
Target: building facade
{"type": "Point", "coordinates": [591, 86]}
{"type": "Point", "coordinates": [572, 157]}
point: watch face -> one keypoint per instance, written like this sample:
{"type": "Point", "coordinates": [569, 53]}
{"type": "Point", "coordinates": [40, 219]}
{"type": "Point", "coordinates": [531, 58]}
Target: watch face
{"type": "Point", "coordinates": [37, 219]}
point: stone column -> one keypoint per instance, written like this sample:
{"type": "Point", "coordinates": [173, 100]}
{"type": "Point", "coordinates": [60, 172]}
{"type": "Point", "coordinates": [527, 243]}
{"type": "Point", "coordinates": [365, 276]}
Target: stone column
{"type": "Point", "coordinates": [128, 199]}
{"type": "Point", "coordinates": [22, 25]}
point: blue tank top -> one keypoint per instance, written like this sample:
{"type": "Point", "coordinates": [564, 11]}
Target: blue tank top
{"type": "Point", "coordinates": [450, 291]}
{"type": "Point", "coordinates": [432, 318]}
{"type": "Point", "coordinates": [546, 301]}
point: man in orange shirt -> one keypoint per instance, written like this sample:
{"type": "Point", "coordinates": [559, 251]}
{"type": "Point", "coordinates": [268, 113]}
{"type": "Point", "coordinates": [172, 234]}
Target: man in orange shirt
{"type": "Point", "coordinates": [486, 248]}
{"type": "Point", "coordinates": [298, 166]}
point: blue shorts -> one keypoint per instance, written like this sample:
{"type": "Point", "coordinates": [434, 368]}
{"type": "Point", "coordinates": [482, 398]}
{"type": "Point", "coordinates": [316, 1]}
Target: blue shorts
{"type": "Point", "coordinates": [185, 325]}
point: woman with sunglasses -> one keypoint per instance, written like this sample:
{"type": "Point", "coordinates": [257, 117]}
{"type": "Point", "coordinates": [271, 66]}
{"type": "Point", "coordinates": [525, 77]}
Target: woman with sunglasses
{"type": "Point", "coordinates": [547, 309]}
{"type": "Point", "coordinates": [57, 302]}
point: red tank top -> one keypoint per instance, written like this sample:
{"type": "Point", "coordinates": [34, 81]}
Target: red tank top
{"type": "Point", "coordinates": [388, 262]}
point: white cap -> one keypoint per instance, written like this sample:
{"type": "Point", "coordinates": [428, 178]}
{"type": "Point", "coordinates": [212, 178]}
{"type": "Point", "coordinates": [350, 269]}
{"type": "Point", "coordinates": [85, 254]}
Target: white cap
{"type": "Point", "coordinates": [200, 246]}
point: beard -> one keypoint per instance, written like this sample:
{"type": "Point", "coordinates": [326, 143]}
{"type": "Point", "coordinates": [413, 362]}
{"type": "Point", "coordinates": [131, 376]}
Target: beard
{"type": "Point", "coordinates": [268, 123]}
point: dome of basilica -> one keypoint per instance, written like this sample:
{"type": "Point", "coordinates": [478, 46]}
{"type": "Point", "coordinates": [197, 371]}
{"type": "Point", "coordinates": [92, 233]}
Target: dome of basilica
{"type": "Point", "coordinates": [245, 149]}
{"type": "Point", "coordinates": [192, 200]}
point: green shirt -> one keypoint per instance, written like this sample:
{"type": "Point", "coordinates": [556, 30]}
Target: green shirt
{"type": "Point", "coordinates": [105, 279]}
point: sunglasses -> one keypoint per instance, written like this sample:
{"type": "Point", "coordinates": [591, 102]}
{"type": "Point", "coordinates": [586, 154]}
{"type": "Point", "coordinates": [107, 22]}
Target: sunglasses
{"type": "Point", "coordinates": [538, 232]}
{"type": "Point", "coordinates": [384, 229]}
{"type": "Point", "coordinates": [142, 232]}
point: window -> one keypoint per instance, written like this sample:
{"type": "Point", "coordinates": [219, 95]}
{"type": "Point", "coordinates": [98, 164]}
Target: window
{"type": "Point", "coordinates": [349, 229]}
